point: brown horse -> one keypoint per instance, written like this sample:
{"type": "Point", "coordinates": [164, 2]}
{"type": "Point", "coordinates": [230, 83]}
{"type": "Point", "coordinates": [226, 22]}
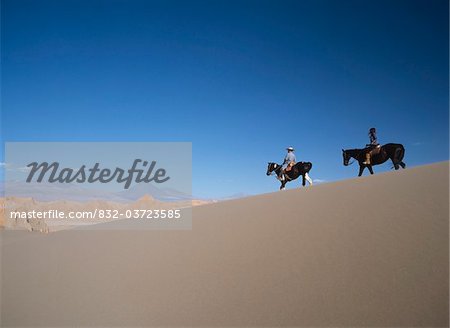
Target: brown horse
{"type": "Point", "coordinates": [394, 152]}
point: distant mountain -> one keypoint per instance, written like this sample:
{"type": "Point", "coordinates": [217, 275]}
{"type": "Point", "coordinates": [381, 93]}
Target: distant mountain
{"type": "Point", "coordinates": [235, 196]}
{"type": "Point", "coordinates": [164, 194]}
{"type": "Point", "coordinates": [57, 191]}
{"type": "Point", "coordinates": [73, 192]}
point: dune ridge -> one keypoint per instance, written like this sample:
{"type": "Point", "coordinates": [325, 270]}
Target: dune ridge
{"type": "Point", "coordinates": [370, 251]}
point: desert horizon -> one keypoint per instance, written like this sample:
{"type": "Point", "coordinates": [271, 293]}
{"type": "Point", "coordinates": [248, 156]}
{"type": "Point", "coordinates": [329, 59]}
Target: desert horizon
{"type": "Point", "coordinates": [18, 213]}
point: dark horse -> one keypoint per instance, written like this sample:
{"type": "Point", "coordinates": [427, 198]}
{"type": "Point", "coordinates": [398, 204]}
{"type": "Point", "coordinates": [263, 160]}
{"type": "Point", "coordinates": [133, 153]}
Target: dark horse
{"type": "Point", "coordinates": [299, 169]}
{"type": "Point", "coordinates": [394, 152]}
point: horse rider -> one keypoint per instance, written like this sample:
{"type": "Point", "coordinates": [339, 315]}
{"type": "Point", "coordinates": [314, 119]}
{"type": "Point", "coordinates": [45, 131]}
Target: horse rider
{"type": "Point", "coordinates": [372, 145]}
{"type": "Point", "coordinates": [289, 161]}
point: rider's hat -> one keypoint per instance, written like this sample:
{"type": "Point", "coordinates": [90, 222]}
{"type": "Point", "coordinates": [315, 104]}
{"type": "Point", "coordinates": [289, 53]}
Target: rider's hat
{"type": "Point", "coordinates": [290, 148]}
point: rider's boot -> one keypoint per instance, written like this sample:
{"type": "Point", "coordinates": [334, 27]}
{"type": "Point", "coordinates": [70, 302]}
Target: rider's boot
{"type": "Point", "coordinates": [367, 161]}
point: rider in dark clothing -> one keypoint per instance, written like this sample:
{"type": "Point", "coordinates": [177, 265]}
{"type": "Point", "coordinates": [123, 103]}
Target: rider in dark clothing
{"type": "Point", "coordinates": [373, 144]}
{"type": "Point", "coordinates": [373, 137]}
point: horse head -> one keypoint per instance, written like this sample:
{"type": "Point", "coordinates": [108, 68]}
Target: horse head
{"type": "Point", "coordinates": [271, 167]}
{"type": "Point", "coordinates": [346, 157]}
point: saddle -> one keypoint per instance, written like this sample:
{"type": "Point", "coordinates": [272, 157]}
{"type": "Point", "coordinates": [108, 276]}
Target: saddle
{"type": "Point", "coordinates": [289, 167]}
{"type": "Point", "coordinates": [373, 150]}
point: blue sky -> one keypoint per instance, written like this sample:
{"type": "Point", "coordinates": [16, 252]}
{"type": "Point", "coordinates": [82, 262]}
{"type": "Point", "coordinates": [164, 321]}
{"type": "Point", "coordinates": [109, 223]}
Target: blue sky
{"type": "Point", "coordinates": [241, 80]}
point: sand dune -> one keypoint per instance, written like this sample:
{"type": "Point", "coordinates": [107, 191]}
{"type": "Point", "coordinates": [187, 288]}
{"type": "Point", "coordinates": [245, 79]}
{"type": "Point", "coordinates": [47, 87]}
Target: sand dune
{"type": "Point", "coordinates": [371, 251]}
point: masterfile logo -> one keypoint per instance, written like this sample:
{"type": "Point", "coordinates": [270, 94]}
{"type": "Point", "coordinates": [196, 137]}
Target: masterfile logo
{"type": "Point", "coordinates": [98, 182]}
{"type": "Point", "coordinates": [147, 174]}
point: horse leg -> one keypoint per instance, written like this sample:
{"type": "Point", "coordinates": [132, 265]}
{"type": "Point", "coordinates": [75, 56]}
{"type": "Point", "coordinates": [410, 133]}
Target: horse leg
{"type": "Point", "coordinates": [370, 169]}
{"type": "Point", "coordinates": [283, 184]}
{"type": "Point", "coordinates": [303, 180]}
{"type": "Point", "coordinates": [361, 169]}
{"type": "Point", "coordinates": [309, 179]}
{"type": "Point", "coordinates": [397, 164]}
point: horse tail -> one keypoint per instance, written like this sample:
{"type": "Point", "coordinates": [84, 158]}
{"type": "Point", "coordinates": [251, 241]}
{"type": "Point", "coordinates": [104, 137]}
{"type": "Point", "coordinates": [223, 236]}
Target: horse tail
{"type": "Point", "coordinates": [399, 154]}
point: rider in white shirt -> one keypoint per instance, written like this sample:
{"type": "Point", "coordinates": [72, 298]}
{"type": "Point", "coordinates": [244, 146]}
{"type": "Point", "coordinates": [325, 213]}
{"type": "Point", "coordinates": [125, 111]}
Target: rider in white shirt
{"type": "Point", "coordinates": [290, 158]}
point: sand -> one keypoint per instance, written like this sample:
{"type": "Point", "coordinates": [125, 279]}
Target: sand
{"type": "Point", "coordinates": [369, 251]}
